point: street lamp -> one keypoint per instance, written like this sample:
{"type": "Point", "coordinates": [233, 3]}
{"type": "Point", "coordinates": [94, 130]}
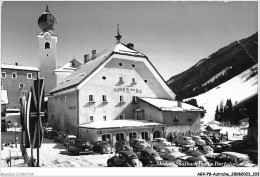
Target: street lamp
{"type": "Point", "coordinates": [15, 125]}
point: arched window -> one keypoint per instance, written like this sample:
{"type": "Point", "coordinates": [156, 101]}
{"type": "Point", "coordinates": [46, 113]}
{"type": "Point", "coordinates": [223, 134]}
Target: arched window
{"type": "Point", "coordinates": [47, 45]}
{"type": "Point", "coordinates": [120, 137]}
{"type": "Point", "coordinates": [156, 134]}
{"type": "Point", "coordinates": [106, 137]}
{"type": "Point", "coordinates": [145, 135]}
{"type": "Point", "coordinates": [132, 135]}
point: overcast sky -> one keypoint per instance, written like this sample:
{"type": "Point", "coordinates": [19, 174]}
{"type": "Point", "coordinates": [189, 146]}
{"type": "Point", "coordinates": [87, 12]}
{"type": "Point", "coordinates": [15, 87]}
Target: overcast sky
{"type": "Point", "coordinates": [174, 35]}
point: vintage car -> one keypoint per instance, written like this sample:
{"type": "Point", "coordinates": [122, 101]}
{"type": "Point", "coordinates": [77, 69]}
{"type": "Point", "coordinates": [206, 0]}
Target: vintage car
{"type": "Point", "coordinates": [124, 159]}
{"type": "Point", "coordinates": [205, 149]}
{"type": "Point", "coordinates": [198, 140]}
{"type": "Point", "coordinates": [183, 140]}
{"type": "Point", "coordinates": [79, 146]}
{"type": "Point", "coordinates": [102, 147]}
{"type": "Point", "coordinates": [190, 150]}
{"type": "Point", "coordinates": [198, 161]}
{"type": "Point", "coordinates": [220, 147]}
{"type": "Point", "coordinates": [138, 144]}
{"type": "Point", "coordinates": [231, 159]}
{"type": "Point", "coordinates": [238, 145]}
{"type": "Point", "coordinates": [68, 138]}
{"type": "Point", "coordinates": [51, 134]}
{"type": "Point", "coordinates": [170, 153]}
{"type": "Point", "coordinates": [207, 139]}
{"type": "Point", "coordinates": [149, 157]}
{"type": "Point", "coordinates": [60, 136]}
{"type": "Point", "coordinates": [157, 142]}
{"type": "Point", "coordinates": [46, 130]}
{"type": "Point", "coordinates": [122, 146]}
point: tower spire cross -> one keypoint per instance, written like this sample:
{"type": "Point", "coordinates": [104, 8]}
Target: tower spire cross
{"type": "Point", "coordinates": [118, 36]}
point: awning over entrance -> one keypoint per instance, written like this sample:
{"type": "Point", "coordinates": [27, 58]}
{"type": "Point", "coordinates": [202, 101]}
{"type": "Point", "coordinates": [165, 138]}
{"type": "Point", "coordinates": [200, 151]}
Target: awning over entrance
{"type": "Point", "coordinates": [114, 124]}
{"type": "Point", "coordinates": [4, 98]}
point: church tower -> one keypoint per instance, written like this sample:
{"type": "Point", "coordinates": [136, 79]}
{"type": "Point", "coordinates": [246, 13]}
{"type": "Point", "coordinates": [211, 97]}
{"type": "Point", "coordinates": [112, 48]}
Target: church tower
{"type": "Point", "coordinates": [47, 49]}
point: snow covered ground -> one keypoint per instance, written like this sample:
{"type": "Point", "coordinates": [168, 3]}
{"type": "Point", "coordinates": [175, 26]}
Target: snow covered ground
{"type": "Point", "coordinates": [236, 89]}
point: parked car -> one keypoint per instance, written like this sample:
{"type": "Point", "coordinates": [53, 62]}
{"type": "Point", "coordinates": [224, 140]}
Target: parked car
{"type": "Point", "coordinates": [124, 159]}
{"type": "Point", "coordinates": [214, 139]}
{"type": "Point", "coordinates": [170, 153]}
{"type": "Point", "coordinates": [149, 157]}
{"type": "Point", "coordinates": [198, 140]}
{"type": "Point", "coordinates": [198, 161]}
{"type": "Point", "coordinates": [220, 147]}
{"type": "Point", "coordinates": [238, 145]}
{"type": "Point", "coordinates": [138, 144]}
{"type": "Point", "coordinates": [157, 142]}
{"type": "Point", "coordinates": [205, 149]}
{"type": "Point", "coordinates": [51, 134]}
{"type": "Point", "coordinates": [60, 137]}
{"type": "Point", "coordinates": [183, 140]}
{"type": "Point", "coordinates": [190, 150]}
{"type": "Point", "coordinates": [102, 147]}
{"type": "Point", "coordinates": [207, 139]}
{"type": "Point", "coordinates": [232, 159]}
{"type": "Point", "coordinates": [122, 146]}
{"type": "Point", "coordinates": [46, 130]}
{"type": "Point", "coordinates": [253, 155]}
{"type": "Point", "coordinates": [79, 146]}
{"type": "Point", "coordinates": [68, 138]}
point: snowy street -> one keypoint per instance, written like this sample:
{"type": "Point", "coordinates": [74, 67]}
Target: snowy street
{"type": "Point", "coordinates": [53, 154]}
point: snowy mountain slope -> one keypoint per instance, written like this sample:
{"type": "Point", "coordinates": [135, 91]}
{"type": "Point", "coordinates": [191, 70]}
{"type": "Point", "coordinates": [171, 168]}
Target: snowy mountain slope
{"type": "Point", "coordinates": [236, 89]}
{"type": "Point", "coordinates": [223, 72]}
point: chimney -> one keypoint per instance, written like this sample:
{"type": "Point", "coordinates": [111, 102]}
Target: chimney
{"type": "Point", "coordinates": [130, 46]}
{"type": "Point", "coordinates": [16, 64]}
{"type": "Point", "coordinates": [86, 58]}
{"type": "Point", "coordinates": [180, 104]}
{"type": "Point", "coordinates": [93, 54]}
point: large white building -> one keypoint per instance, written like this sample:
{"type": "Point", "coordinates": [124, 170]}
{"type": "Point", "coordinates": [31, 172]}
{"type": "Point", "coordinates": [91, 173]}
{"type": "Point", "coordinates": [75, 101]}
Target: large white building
{"type": "Point", "coordinates": [103, 98]}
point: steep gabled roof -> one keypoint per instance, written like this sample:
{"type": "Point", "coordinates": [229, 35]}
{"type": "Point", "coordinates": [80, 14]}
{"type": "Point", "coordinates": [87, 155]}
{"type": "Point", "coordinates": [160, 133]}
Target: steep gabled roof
{"type": "Point", "coordinates": [84, 71]}
{"type": "Point", "coordinates": [71, 66]}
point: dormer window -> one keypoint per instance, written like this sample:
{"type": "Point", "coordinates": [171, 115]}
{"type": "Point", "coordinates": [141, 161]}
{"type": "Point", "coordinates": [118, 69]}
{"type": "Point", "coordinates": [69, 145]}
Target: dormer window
{"type": "Point", "coordinates": [47, 45]}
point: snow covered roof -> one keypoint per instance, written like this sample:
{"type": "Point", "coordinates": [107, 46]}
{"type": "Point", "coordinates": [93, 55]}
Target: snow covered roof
{"type": "Point", "coordinates": [113, 124]}
{"type": "Point", "coordinates": [71, 66]}
{"type": "Point", "coordinates": [84, 71]}
{"type": "Point", "coordinates": [4, 99]}
{"type": "Point", "coordinates": [213, 122]}
{"type": "Point", "coordinates": [18, 67]}
{"type": "Point", "coordinates": [170, 105]}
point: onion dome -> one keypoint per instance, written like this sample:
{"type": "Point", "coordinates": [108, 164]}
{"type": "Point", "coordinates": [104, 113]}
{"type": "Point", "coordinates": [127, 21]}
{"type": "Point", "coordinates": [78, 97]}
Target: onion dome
{"type": "Point", "coordinates": [47, 21]}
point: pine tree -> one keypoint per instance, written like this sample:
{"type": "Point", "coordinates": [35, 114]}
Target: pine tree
{"type": "Point", "coordinates": [217, 114]}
